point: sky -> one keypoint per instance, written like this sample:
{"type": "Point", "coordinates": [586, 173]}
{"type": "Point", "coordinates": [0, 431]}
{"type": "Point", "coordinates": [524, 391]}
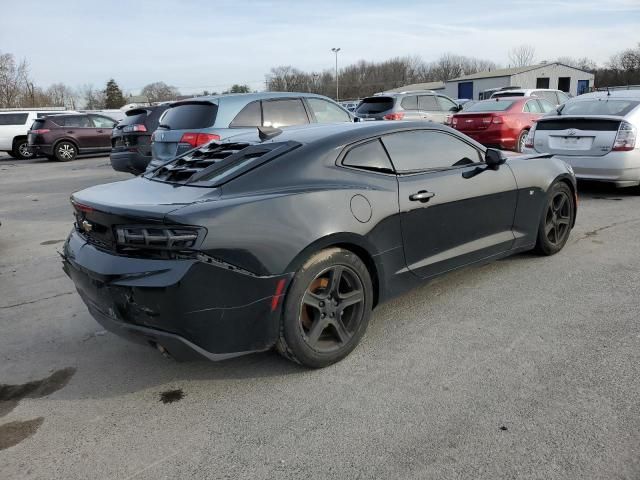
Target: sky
{"type": "Point", "coordinates": [200, 45]}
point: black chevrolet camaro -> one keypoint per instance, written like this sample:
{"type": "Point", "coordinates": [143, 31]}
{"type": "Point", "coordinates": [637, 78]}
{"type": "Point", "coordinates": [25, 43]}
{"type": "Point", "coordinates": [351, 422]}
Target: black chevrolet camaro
{"type": "Point", "coordinates": [288, 239]}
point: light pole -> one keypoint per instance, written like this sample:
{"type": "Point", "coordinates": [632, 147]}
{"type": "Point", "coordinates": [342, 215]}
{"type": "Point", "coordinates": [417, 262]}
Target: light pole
{"type": "Point", "coordinates": [336, 50]}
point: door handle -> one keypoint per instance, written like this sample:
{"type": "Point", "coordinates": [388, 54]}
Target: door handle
{"type": "Point", "coordinates": [99, 131]}
{"type": "Point", "coordinates": [70, 131]}
{"type": "Point", "coordinates": [422, 196]}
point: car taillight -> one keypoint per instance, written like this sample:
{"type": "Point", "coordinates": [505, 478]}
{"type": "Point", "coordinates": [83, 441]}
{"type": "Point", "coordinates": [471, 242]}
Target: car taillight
{"type": "Point", "coordinates": [158, 237]}
{"type": "Point", "coordinates": [496, 119]}
{"type": "Point", "coordinates": [528, 143]}
{"type": "Point", "coordinates": [40, 131]}
{"type": "Point", "coordinates": [394, 116]}
{"type": "Point", "coordinates": [454, 121]}
{"type": "Point", "coordinates": [197, 139]}
{"type": "Point", "coordinates": [625, 138]}
{"type": "Point", "coordinates": [135, 128]}
{"type": "Point", "coordinates": [486, 120]}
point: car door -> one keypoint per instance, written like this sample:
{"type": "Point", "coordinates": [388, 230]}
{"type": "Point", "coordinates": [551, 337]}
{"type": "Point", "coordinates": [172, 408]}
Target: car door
{"type": "Point", "coordinates": [448, 220]}
{"type": "Point", "coordinates": [81, 130]}
{"type": "Point", "coordinates": [430, 109]}
{"type": "Point", "coordinates": [410, 109]}
{"type": "Point", "coordinates": [284, 112]}
{"type": "Point", "coordinates": [103, 128]}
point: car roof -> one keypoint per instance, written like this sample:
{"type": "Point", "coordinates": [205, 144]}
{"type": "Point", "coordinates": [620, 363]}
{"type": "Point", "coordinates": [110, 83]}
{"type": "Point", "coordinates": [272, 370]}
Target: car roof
{"type": "Point", "coordinates": [248, 97]}
{"type": "Point", "coordinates": [507, 90]}
{"type": "Point", "coordinates": [343, 133]}
{"type": "Point", "coordinates": [617, 94]}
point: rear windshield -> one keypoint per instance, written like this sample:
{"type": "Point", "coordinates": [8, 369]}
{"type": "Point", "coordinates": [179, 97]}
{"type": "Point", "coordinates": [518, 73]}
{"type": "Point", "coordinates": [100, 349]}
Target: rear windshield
{"type": "Point", "coordinates": [133, 117]}
{"type": "Point", "coordinates": [601, 106]}
{"type": "Point", "coordinates": [507, 94]}
{"type": "Point", "coordinates": [490, 106]}
{"type": "Point", "coordinates": [13, 118]}
{"type": "Point", "coordinates": [38, 124]}
{"type": "Point", "coordinates": [189, 116]}
{"type": "Point", "coordinates": [375, 105]}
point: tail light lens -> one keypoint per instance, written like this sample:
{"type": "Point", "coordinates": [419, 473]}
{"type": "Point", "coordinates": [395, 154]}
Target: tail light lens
{"type": "Point", "coordinates": [40, 131]}
{"type": "Point", "coordinates": [158, 237]}
{"type": "Point", "coordinates": [528, 143]}
{"type": "Point", "coordinates": [487, 119]}
{"type": "Point", "coordinates": [454, 121]}
{"type": "Point", "coordinates": [197, 139]}
{"type": "Point", "coordinates": [394, 116]}
{"type": "Point", "coordinates": [496, 119]}
{"type": "Point", "coordinates": [135, 128]}
{"type": "Point", "coordinates": [625, 138]}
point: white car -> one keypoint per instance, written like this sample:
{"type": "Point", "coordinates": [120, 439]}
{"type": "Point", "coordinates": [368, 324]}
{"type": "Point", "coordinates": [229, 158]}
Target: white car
{"type": "Point", "coordinates": [14, 125]}
{"type": "Point", "coordinates": [597, 134]}
{"type": "Point", "coordinates": [554, 97]}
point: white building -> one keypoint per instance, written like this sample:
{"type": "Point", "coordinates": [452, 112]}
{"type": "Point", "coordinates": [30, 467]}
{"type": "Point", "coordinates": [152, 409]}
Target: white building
{"type": "Point", "coordinates": [545, 75]}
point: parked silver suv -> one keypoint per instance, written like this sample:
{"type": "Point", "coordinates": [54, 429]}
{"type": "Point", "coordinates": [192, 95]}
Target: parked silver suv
{"type": "Point", "coordinates": [597, 134]}
{"type": "Point", "coordinates": [190, 123]}
{"type": "Point", "coordinates": [411, 105]}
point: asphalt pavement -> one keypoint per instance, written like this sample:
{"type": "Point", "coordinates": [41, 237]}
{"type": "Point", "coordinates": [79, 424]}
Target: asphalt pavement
{"type": "Point", "coordinates": [527, 368]}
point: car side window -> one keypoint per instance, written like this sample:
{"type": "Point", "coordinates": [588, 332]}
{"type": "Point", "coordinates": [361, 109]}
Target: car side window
{"type": "Point", "coordinates": [102, 122]}
{"type": "Point", "coordinates": [548, 96]}
{"type": "Point", "coordinates": [546, 106]}
{"type": "Point", "coordinates": [79, 121]}
{"type": "Point", "coordinates": [533, 107]}
{"type": "Point", "coordinates": [419, 150]}
{"type": "Point", "coordinates": [428, 103]}
{"type": "Point", "coordinates": [326, 112]}
{"type": "Point", "coordinates": [447, 105]}
{"type": "Point", "coordinates": [368, 156]}
{"type": "Point", "coordinates": [410, 102]}
{"type": "Point", "coordinates": [249, 116]}
{"type": "Point", "coordinates": [282, 113]}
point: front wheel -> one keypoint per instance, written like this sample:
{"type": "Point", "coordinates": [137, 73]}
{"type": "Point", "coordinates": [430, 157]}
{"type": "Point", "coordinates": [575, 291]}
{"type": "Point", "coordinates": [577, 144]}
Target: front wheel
{"type": "Point", "coordinates": [327, 309]}
{"type": "Point", "coordinates": [557, 219]}
{"type": "Point", "coordinates": [65, 151]}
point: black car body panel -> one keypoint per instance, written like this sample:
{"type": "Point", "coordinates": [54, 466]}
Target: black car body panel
{"type": "Point", "coordinates": [131, 139]}
{"type": "Point", "coordinates": [224, 295]}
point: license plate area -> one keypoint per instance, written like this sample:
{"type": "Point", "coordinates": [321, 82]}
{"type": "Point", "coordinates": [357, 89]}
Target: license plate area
{"type": "Point", "coordinates": [570, 142]}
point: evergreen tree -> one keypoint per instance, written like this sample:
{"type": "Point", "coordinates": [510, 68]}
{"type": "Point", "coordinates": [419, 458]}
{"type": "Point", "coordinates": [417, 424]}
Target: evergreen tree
{"type": "Point", "coordinates": [113, 97]}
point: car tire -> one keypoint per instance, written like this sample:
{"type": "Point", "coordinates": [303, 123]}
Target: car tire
{"type": "Point", "coordinates": [326, 310]}
{"type": "Point", "coordinates": [556, 220]}
{"type": "Point", "coordinates": [21, 149]}
{"type": "Point", "coordinates": [65, 151]}
{"type": "Point", "coordinates": [522, 139]}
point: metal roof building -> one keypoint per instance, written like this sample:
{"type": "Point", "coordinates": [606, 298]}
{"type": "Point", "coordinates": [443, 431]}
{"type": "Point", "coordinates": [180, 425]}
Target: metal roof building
{"type": "Point", "coordinates": [544, 75]}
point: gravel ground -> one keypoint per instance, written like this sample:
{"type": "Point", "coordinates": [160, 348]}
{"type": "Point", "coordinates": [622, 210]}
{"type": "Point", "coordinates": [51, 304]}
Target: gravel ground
{"type": "Point", "coordinates": [525, 368]}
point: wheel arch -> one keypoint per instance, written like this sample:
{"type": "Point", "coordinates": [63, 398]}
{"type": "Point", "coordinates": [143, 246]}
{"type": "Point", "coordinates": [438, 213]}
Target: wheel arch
{"type": "Point", "coordinates": [65, 139]}
{"type": "Point", "coordinates": [567, 179]}
{"type": "Point", "coordinates": [354, 243]}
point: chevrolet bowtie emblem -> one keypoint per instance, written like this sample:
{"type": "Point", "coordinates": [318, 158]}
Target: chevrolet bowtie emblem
{"type": "Point", "coordinates": [86, 226]}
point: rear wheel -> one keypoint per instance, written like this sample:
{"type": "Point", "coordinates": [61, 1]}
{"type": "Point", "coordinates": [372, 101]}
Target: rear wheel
{"type": "Point", "coordinates": [327, 309]}
{"type": "Point", "coordinates": [557, 220]}
{"type": "Point", "coordinates": [65, 151]}
{"type": "Point", "coordinates": [522, 140]}
{"type": "Point", "coordinates": [21, 149]}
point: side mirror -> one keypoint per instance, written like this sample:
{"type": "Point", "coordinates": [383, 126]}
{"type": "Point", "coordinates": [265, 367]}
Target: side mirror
{"type": "Point", "coordinates": [494, 158]}
{"type": "Point", "coordinates": [457, 108]}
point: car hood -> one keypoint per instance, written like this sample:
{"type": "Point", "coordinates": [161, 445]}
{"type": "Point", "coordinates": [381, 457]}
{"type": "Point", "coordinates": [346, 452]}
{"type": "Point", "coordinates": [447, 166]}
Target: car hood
{"type": "Point", "coordinates": [141, 197]}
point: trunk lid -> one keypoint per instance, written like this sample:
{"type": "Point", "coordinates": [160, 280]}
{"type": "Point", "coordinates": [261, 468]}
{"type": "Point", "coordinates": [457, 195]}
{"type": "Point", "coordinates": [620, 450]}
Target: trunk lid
{"type": "Point", "coordinates": [137, 201]}
{"type": "Point", "coordinates": [468, 122]}
{"type": "Point", "coordinates": [576, 135]}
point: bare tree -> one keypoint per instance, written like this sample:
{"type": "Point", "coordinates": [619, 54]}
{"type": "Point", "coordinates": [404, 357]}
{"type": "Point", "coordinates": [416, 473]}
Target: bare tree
{"type": "Point", "coordinates": [583, 63]}
{"type": "Point", "coordinates": [13, 80]}
{"type": "Point", "coordinates": [522, 55]}
{"type": "Point", "coordinates": [61, 95]}
{"type": "Point", "coordinates": [159, 92]}
{"type": "Point", "coordinates": [93, 99]}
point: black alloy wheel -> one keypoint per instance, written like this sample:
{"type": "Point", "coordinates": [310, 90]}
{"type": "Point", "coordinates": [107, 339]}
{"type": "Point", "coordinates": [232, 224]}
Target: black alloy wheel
{"type": "Point", "coordinates": [327, 309]}
{"type": "Point", "coordinates": [557, 219]}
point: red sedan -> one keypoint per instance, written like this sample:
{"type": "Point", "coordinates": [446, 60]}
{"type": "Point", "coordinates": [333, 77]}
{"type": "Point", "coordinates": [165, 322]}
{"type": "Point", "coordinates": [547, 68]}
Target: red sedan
{"type": "Point", "coordinates": [501, 122]}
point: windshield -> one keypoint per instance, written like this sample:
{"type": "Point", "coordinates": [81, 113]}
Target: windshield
{"type": "Point", "coordinates": [600, 106]}
{"type": "Point", "coordinates": [375, 105]}
{"type": "Point", "coordinates": [489, 106]}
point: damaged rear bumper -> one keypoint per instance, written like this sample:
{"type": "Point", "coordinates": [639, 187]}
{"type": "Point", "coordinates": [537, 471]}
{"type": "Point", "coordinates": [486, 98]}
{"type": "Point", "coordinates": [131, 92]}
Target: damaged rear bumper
{"type": "Point", "coordinates": [191, 308]}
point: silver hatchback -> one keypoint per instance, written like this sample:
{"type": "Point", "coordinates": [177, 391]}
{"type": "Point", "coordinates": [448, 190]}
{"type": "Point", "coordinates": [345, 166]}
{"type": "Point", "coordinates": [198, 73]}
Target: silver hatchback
{"type": "Point", "coordinates": [597, 134]}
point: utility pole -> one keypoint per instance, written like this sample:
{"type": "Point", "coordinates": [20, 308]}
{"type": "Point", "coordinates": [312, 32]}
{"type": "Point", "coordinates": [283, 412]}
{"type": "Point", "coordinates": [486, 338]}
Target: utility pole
{"type": "Point", "coordinates": [336, 50]}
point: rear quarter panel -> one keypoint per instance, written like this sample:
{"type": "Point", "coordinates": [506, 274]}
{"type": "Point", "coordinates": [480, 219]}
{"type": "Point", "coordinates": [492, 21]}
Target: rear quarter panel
{"type": "Point", "coordinates": [534, 177]}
